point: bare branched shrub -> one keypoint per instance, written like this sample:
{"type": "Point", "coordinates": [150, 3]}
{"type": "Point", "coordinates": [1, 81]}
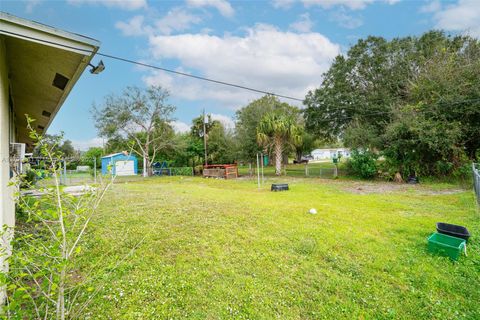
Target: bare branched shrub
{"type": "Point", "coordinates": [42, 282]}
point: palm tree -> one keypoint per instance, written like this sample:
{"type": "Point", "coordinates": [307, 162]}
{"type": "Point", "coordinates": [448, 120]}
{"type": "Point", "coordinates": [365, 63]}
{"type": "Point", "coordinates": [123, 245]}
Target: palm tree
{"type": "Point", "coordinates": [278, 129]}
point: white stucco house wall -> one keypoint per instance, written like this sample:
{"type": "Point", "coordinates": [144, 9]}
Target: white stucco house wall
{"type": "Point", "coordinates": [325, 154]}
{"type": "Point", "coordinates": [39, 65]}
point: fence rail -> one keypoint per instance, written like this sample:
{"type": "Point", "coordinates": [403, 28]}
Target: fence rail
{"type": "Point", "coordinates": [75, 177]}
{"type": "Point", "coordinates": [311, 170]}
{"type": "Point", "coordinates": [476, 181]}
{"type": "Point", "coordinates": [182, 171]}
{"type": "Point", "coordinates": [319, 170]}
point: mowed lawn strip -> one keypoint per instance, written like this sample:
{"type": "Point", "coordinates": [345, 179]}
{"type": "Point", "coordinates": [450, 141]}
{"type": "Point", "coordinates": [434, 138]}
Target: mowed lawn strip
{"type": "Point", "coordinates": [215, 249]}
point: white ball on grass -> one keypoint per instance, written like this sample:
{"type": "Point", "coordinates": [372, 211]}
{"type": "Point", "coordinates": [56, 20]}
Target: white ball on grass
{"type": "Point", "coordinates": [312, 211]}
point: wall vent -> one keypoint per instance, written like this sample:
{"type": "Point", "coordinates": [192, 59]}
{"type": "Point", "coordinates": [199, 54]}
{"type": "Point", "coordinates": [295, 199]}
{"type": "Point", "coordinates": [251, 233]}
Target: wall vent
{"type": "Point", "coordinates": [46, 114]}
{"type": "Point", "coordinates": [60, 81]}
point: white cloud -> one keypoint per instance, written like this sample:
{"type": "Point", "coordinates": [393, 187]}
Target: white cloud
{"type": "Point", "coordinates": [83, 145]}
{"type": "Point", "coordinates": [304, 24]}
{"type": "Point", "coordinates": [345, 20]}
{"type": "Point", "coordinates": [180, 127]}
{"type": "Point", "coordinates": [463, 16]}
{"type": "Point", "coordinates": [328, 4]}
{"type": "Point", "coordinates": [31, 4]}
{"type": "Point", "coordinates": [133, 27]}
{"type": "Point", "coordinates": [283, 4]}
{"type": "Point", "coordinates": [226, 121]}
{"type": "Point", "coordinates": [222, 6]}
{"type": "Point", "coordinates": [264, 58]}
{"type": "Point", "coordinates": [176, 19]}
{"type": "Point", "coordinates": [433, 6]}
{"type": "Point", "coordinates": [121, 4]}
{"type": "Point", "coordinates": [195, 90]}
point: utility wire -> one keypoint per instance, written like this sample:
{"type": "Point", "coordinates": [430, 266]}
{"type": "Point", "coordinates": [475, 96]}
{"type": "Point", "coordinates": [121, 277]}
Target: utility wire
{"type": "Point", "coordinates": [225, 83]}
{"type": "Point", "coordinates": [331, 109]}
{"type": "Point", "coordinates": [198, 77]}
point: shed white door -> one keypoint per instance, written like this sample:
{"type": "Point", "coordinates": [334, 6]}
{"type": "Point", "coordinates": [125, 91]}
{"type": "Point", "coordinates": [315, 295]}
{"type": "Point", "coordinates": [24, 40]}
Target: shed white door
{"type": "Point", "coordinates": [124, 168]}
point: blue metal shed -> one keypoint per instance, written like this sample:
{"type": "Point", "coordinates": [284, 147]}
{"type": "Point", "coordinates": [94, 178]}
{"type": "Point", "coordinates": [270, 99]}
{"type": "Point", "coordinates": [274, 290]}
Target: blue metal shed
{"type": "Point", "coordinates": [120, 164]}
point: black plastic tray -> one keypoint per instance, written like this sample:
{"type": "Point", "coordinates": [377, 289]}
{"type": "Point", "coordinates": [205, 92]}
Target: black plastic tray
{"type": "Point", "coordinates": [453, 230]}
{"type": "Point", "coordinates": [279, 187]}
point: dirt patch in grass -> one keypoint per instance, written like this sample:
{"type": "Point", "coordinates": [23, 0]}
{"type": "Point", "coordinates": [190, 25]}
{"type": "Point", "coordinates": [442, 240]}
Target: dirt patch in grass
{"type": "Point", "coordinates": [440, 192]}
{"type": "Point", "coordinates": [385, 187]}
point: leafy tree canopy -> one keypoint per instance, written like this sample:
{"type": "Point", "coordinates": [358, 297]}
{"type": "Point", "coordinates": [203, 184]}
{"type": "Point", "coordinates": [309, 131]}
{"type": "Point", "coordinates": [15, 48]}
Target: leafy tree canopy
{"type": "Point", "coordinates": [220, 141]}
{"type": "Point", "coordinates": [278, 129]}
{"type": "Point", "coordinates": [248, 119]}
{"type": "Point", "coordinates": [139, 116]}
{"type": "Point", "coordinates": [57, 144]}
{"type": "Point", "coordinates": [92, 156]}
{"type": "Point", "coordinates": [414, 99]}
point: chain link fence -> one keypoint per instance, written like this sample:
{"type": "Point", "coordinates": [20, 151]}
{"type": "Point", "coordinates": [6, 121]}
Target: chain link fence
{"type": "Point", "coordinates": [90, 176]}
{"type": "Point", "coordinates": [173, 171]}
{"type": "Point", "coordinates": [476, 181]}
{"type": "Point", "coordinates": [74, 177]}
{"type": "Point", "coordinates": [320, 170]}
{"type": "Point", "coordinates": [311, 171]}
{"type": "Point", "coordinates": [182, 171]}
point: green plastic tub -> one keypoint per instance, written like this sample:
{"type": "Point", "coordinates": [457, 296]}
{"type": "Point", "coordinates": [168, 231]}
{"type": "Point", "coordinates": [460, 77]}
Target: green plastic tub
{"type": "Point", "coordinates": [446, 245]}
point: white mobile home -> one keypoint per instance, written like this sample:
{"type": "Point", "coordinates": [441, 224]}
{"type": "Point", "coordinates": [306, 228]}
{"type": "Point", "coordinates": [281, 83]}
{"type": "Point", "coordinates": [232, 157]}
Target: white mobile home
{"type": "Point", "coordinates": [330, 153]}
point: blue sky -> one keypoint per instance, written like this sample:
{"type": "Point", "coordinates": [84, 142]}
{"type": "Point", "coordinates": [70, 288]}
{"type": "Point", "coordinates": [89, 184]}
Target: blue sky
{"type": "Point", "coordinates": [276, 46]}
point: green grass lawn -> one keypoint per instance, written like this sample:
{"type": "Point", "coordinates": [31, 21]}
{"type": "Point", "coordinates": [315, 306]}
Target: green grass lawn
{"type": "Point", "coordinates": [193, 248]}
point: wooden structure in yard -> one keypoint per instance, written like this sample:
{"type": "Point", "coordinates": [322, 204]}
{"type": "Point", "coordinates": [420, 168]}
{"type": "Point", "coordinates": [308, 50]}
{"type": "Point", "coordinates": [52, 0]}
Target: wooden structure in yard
{"type": "Point", "coordinates": [225, 171]}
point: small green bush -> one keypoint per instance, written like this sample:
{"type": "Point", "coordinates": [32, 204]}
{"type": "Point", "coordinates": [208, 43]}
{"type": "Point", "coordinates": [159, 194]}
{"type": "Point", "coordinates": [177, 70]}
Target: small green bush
{"type": "Point", "coordinates": [29, 179]}
{"type": "Point", "coordinates": [443, 168]}
{"type": "Point", "coordinates": [463, 173]}
{"type": "Point", "coordinates": [72, 165]}
{"type": "Point", "coordinates": [363, 164]}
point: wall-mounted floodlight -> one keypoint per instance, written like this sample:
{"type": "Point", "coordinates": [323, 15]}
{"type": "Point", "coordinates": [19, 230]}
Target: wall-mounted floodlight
{"type": "Point", "coordinates": [99, 68]}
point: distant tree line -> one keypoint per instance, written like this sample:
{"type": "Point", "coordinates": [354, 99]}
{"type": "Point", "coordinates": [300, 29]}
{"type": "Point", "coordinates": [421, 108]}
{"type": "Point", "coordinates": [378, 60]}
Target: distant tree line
{"type": "Point", "coordinates": [139, 121]}
{"type": "Point", "coordinates": [413, 103]}
{"type": "Point", "coordinates": [414, 100]}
